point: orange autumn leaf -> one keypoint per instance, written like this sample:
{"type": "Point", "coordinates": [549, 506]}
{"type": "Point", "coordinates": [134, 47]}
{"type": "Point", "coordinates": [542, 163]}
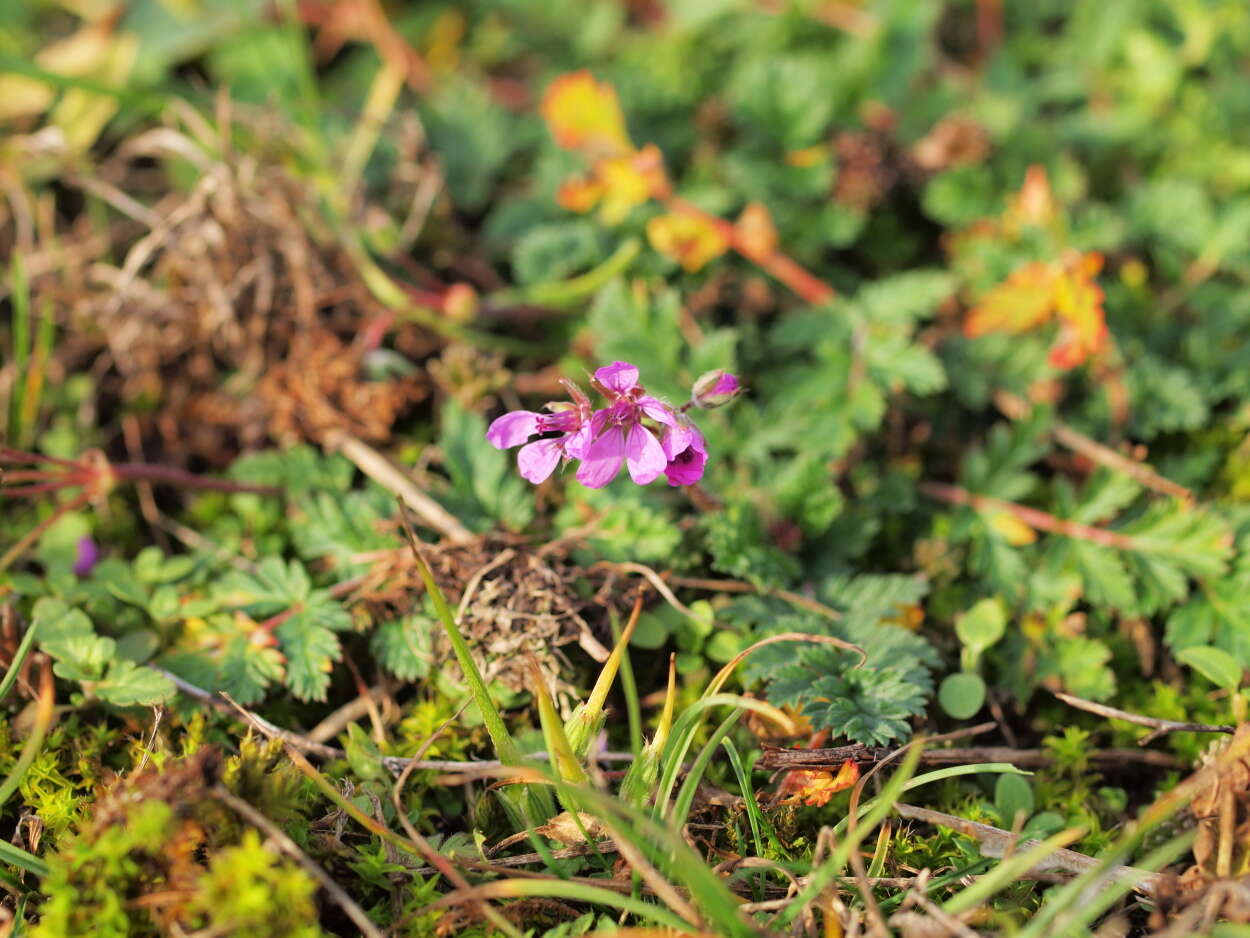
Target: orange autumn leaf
{"type": "Point", "coordinates": [1014, 531]}
{"type": "Point", "coordinates": [755, 235]}
{"type": "Point", "coordinates": [584, 114]}
{"type": "Point", "coordinates": [1035, 204]}
{"type": "Point", "coordinates": [579, 194]}
{"type": "Point", "coordinates": [814, 787]}
{"type": "Point", "coordinates": [629, 181]}
{"type": "Point", "coordinates": [691, 240]}
{"type": "Point", "coordinates": [1035, 294]}
{"type": "Point", "coordinates": [1020, 303]}
{"type": "Point", "coordinates": [1082, 321]}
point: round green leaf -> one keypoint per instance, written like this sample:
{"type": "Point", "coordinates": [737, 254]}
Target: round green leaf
{"type": "Point", "coordinates": [1215, 664]}
{"type": "Point", "coordinates": [982, 625]}
{"type": "Point", "coordinates": [961, 695]}
{"type": "Point", "coordinates": [1012, 795]}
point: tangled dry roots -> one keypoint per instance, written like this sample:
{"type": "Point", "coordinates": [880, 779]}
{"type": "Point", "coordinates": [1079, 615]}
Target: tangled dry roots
{"type": "Point", "coordinates": [513, 601]}
{"type": "Point", "coordinates": [234, 318]}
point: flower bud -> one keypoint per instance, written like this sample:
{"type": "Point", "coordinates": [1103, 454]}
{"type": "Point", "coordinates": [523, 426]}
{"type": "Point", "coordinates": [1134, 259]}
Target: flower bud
{"type": "Point", "coordinates": [715, 389]}
{"type": "Point", "coordinates": [460, 303]}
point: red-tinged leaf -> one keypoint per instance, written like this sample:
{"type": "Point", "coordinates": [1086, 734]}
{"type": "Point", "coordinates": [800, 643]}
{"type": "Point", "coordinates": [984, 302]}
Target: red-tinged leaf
{"type": "Point", "coordinates": [1024, 301]}
{"type": "Point", "coordinates": [691, 240]}
{"type": "Point", "coordinates": [1078, 305]}
{"type": "Point", "coordinates": [814, 787]}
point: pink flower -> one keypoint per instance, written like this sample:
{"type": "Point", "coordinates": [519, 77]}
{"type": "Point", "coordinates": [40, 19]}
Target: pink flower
{"type": "Point", "coordinates": [539, 459]}
{"type": "Point", "coordinates": [618, 431]}
{"type": "Point", "coordinates": [686, 452]}
{"type": "Point", "coordinates": [635, 430]}
{"type": "Point", "coordinates": [87, 555]}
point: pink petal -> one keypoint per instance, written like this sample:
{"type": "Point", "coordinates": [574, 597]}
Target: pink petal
{"type": "Point", "coordinates": [645, 455]}
{"type": "Point", "coordinates": [538, 460]}
{"type": "Point", "coordinates": [676, 439]}
{"type": "Point", "coordinates": [687, 470]}
{"type": "Point", "coordinates": [602, 460]}
{"type": "Point", "coordinates": [512, 429]}
{"type": "Point", "coordinates": [577, 443]}
{"type": "Point", "coordinates": [618, 376]}
{"type": "Point", "coordinates": [657, 410]}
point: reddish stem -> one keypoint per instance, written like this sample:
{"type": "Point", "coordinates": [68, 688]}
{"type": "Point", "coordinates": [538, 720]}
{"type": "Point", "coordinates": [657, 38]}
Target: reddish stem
{"type": "Point", "coordinates": [33, 475]}
{"type": "Point", "coordinates": [954, 495]}
{"type": "Point", "coordinates": [805, 285]}
{"type": "Point", "coordinates": [24, 458]}
{"type": "Point", "coordinates": [41, 489]}
{"type": "Point", "coordinates": [142, 471]}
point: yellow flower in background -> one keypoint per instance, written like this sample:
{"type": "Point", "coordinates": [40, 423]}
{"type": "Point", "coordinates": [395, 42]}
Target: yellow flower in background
{"type": "Point", "coordinates": [584, 114]}
{"type": "Point", "coordinates": [690, 240]}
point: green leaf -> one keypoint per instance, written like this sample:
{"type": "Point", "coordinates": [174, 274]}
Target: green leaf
{"type": "Point", "coordinates": [485, 486]}
{"type": "Point", "coordinates": [246, 669]}
{"type": "Point", "coordinates": [130, 685]}
{"type": "Point", "coordinates": [735, 538]}
{"type": "Point", "coordinates": [982, 625]}
{"type": "Point", "coordinates": [1215, 664]}
{"type": "Point", "coordinates": [556, 251]}
{"type": "Point", "coordinates": [1013, 796]}
{"type": "Point", "coordinates": [405, 646]}
{"type": "Point", "coordinates": [962, 694]}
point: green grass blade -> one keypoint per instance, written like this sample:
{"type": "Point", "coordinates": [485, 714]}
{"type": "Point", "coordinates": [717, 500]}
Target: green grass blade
{"type": "Point", "coordinates": [506, 748]}
{"type": "Point", "coordinates": [629, 687]}
{"type": "Point", "coordinates": [20, 303]}
{"type": "Point", "coordinates": [15, 667]}
{"type": "Point", "coordinates": [682, 738]}
{"type": "Point", "coordinates": [16, 856]}
{"type": "Point", "coordinates": [1007, 872]}
{"type": "Point", "coordinates": [873, 813]}
{"type": "Point", "coordinates": [1078, 912]}
{"type": "Point", "coordinates": [760, 825]}
{"type": "Point", "coordinates": [574, 892]}
{"type": "Point", "coordinates": [685, 797]}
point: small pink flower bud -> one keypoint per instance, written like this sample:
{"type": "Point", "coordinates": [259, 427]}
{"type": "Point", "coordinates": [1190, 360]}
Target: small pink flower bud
{"type": "Point", "coordinates": [715, 389]}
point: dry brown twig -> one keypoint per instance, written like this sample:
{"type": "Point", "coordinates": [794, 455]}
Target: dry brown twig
{"type": "Point", "coordinates": [1015, 408]}
{"type": "Point", "coordinates": [1161, 727]}
{"type": "Point", "coordinates": [998, 843]}
{"type": "Point", "coordinates": [382, 471]}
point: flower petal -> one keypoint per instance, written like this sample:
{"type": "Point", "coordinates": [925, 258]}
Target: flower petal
{"type": "Point", "coordinates": [539, 459]}
{"type": "Point", "coordinates": [687, 468]}
{"type": "Point", "coordinates": [645, 456]}
{"type": "Point", "coordinates": [512, 429]}
{"type": "Point", "coordinates": [676, 440]}
{"type": "Point", "coordinates": [602, 460]}
{"type": "Point", "coordinates": [618, 376]}
{"type": "Point", "coordinates": [657, 410]}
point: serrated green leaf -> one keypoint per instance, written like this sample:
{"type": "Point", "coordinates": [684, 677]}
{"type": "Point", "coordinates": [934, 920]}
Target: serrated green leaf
{"type": "Point", "coordinates": [1215, 664]}
{"type": "Point", "coordinates": [486, 489]}
{"type": "Point", "coordinates": [130, 685]}
{"type": "Point", "coordinates": [405, 646]}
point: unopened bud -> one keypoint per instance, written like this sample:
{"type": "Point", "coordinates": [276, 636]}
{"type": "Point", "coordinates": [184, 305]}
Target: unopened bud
{"type": "Point", "coordinates": [715, 389]}
{"type": "Point", "coordinates": [460, 302]}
